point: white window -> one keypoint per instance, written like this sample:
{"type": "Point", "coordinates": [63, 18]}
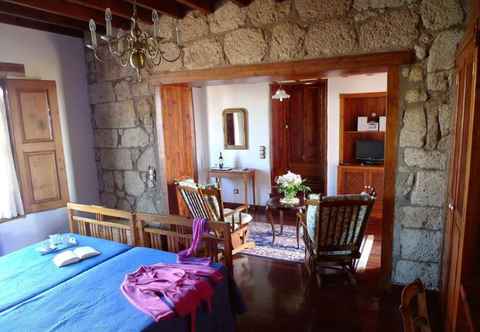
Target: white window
{"type": "Point", "coordinates": [10, 197]}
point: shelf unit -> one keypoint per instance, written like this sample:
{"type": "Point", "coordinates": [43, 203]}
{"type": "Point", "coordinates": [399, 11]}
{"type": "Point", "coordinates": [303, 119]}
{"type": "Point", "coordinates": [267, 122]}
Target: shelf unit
{"type": "Point", "coordinates": [353, 176]}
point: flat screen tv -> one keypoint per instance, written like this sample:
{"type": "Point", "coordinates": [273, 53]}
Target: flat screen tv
{"type": "Point", "coordinates": [369, 151]}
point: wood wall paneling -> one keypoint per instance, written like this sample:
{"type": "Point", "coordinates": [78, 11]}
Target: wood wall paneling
{"type": "Point", "coordinates": [179, 140]}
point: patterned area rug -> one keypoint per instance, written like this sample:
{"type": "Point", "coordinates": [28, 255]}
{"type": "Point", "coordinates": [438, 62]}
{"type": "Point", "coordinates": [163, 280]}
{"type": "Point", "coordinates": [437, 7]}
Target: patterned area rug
{"type": "Point", "coordinates": [285, 247]}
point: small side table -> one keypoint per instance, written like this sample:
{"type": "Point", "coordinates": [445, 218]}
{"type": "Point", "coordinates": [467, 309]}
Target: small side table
{"type": "Point", "coordinates": [246, 175]}
{"type": "Point", "coordinates": [274, 204]}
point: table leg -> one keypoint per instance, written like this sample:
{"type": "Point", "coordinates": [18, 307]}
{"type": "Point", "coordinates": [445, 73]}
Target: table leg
{"type": "Point", "coordinates": [298, 233]}
{"type": "Point", "coordinates": [245, 188]}
{"type": "Point", "coordinates": [281, 221]}
{"type": "Point", "coordinates": [253, 192]}
{"type": "Point", "coordinates": [270, 219]}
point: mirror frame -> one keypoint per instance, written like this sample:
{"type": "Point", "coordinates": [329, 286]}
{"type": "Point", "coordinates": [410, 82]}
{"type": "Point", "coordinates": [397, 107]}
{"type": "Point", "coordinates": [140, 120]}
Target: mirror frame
{"type": "Point", "coordinates": [245, 128]}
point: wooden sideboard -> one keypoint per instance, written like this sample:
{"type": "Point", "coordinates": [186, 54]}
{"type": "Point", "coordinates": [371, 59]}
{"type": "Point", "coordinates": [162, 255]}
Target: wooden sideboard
{"type": "Point", "coordinates": [352, 179]}
{"type": "Point", "coordinates": [246, 175]}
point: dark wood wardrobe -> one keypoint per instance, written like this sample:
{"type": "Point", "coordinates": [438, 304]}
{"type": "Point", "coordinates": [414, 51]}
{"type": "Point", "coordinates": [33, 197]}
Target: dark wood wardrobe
{"type": "Point", "coordinates": [461, 256]}
{"type": "Point", "coordinates": [299, 133]}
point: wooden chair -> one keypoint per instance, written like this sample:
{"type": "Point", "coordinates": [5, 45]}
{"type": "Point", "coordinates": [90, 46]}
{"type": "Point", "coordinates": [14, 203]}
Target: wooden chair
{"type": "Point", "coordinates": [333, 230]}
{"type": "Point", "coordinates": [413, 307]}
{"type": "Point", "coordinates": [101, 222]}
{"type": "Point", "coordinates": [206, 202]}
{"type": "Point", "coordinates": [174, 233]}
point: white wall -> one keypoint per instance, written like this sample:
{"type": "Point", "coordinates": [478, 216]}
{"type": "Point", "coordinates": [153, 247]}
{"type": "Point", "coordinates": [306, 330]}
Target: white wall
{"type": "Point", "coordinates": [60, 58]}
{"type": "Point", "coordinates": [336, 86]}
{"type": "Point", "coordinates": [255, 98]}
{"type": "Point", "coordinates": [202, 148]}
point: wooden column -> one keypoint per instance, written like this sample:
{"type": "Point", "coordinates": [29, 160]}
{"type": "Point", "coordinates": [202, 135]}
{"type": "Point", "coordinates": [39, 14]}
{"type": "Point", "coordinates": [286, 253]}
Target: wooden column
{"type": "Point", "coordinates": [179, 139]}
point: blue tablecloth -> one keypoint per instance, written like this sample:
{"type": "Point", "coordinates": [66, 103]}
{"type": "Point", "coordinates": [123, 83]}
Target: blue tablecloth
{"type": "Point", "coordinates": [92, 301]}
{"type": "Point", "coordinates": [26, 273]}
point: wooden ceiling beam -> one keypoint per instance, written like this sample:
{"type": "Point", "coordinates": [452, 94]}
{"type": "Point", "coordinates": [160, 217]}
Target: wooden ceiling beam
{"type": "Point", "coordinates": [204, 6]}
{"type": "Point", "coordinates": [71, 10]}
{"type": "Point", "coordinates": [170, 8]}
{"type": "Point", "coordinates": [36, 25]}
{"type": "Point", "coordinates": [119, 8]}
{"type": "Point", "coordinates": [39, 16]}
{"type": "Point", "coordinates": [310, 68]}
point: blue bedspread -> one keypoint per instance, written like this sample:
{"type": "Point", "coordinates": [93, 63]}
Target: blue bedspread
{"type": "Point", "coordinates": [26, 273]}
{"type": "Point", "coordinates": [92, 301]}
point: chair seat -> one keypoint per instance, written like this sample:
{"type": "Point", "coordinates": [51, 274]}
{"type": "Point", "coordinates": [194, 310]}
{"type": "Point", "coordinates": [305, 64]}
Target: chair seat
{"type": "Point", "coordinates": [246, 218]}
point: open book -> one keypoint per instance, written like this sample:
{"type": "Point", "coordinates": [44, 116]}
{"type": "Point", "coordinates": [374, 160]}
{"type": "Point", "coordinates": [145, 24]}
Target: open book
{"type": "Point", "coordinates": [72, 256]}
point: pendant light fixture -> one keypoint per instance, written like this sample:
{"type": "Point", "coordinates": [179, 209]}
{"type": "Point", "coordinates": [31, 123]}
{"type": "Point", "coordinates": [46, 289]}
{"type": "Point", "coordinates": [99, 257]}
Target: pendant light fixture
{"type": "Point", "coordinates": [280, 94]}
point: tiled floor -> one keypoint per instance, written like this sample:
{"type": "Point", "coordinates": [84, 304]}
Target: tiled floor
{"type": "Point", "coordinates": [278, 298]}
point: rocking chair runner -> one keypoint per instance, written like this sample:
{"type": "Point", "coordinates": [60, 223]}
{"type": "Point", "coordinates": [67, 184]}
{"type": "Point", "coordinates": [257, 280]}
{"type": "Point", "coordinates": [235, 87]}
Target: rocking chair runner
{"type": "Point", "coordinates": [206, 202]}
{"type": "Point", "coordinates": [333, 230]}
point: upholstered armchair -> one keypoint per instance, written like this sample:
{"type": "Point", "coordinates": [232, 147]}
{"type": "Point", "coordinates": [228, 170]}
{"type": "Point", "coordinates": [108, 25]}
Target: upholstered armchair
{"type": "Point", "coordinates": [333, 230]}
{"type": "Point", "coordinates": [206, 202]}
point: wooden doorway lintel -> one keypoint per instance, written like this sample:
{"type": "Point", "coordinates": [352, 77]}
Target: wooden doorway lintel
{"type": "Point", "coordinates": [321, 68]}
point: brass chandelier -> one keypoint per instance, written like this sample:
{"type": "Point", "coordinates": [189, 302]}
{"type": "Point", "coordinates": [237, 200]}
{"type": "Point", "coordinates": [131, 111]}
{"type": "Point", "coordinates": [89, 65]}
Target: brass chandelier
{"type": "Point", "coordinates": [136, 48]}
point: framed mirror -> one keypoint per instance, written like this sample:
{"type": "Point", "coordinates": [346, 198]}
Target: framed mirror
{"type": "Point", "coordinates": [235, 131]}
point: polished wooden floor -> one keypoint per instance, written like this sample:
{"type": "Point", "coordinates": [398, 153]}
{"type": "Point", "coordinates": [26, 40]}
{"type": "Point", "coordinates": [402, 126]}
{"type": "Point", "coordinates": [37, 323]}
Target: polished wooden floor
{"type": "Point", "coordinates": [278, 298]}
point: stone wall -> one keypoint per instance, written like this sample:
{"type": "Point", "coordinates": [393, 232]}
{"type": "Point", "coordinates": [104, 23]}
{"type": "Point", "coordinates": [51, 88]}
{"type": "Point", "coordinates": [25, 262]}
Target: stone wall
{"type": "Point", "coordinates": [125, 138]}
{"type": "Point", "coordinates": [270, 31]}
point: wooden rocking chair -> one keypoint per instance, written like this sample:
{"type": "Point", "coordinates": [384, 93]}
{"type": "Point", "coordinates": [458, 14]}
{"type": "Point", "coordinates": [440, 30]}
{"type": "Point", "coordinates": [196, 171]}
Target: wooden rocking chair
{"type": "Point", "coordinates": [333, 230]}
{"type": "Point", "coordinates": [206, 202]}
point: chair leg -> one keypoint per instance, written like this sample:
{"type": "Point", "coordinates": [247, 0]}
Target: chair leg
{"type": "Point", "coordinates": [350, 271]}
{"type": "Point", "coordinates": [246, 245]}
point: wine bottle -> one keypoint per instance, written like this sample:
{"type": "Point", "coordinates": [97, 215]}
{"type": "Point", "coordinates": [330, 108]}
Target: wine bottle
{"type": "Point", "coordinates": [220, 161]}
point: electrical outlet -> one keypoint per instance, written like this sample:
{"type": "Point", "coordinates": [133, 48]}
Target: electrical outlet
{"type": "Point", "coordinates": [236, 191]}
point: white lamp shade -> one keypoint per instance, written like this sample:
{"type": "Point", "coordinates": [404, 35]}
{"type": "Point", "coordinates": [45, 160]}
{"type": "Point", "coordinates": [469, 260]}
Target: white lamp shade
{"type": "Point", "coordinates": [281, 94]}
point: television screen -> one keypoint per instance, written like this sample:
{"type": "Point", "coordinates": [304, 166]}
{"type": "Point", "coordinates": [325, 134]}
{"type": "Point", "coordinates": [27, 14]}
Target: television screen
{"type": "Point", "coordinates": [369, 151]}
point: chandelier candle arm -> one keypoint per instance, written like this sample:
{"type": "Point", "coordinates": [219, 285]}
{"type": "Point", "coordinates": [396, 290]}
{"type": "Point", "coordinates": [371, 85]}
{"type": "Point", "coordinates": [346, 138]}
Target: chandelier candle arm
{"type": "Point", "coordinates": [108, 20]}
{"type": "Point", "coordinates": [136, 48]}
{"type": "Point", "coordinates": [155, 20]}
{"type": "Point", "coordinates": [93, 33]}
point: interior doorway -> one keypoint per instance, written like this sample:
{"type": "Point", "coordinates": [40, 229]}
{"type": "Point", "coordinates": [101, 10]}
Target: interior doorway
{"type": "Point", "coordinates": [320, 68]}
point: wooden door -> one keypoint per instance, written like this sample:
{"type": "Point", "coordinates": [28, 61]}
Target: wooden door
{"type": "Point", "coordinates": [299, 133]}
{"type": "Point", "coordinates": [37, 141]}
{"type": "Point", "coordinates": [461, 245]}
{"type": "Point", "coordinates": [179, 141]}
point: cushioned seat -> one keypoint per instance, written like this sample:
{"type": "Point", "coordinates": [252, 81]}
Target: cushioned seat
{"type": "Point", "coordinates": [245, 217]}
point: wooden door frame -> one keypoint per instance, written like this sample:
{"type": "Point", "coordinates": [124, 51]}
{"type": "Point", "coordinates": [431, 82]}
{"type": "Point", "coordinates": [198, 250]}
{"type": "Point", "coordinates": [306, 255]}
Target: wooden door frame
{"type": "Point", "coordinates": [388, 62]}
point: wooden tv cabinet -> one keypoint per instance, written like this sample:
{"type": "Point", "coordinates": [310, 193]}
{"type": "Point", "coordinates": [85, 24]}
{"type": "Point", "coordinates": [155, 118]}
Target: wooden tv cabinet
{"type": "Point", "coordinates": [353, 176]}
{"type": "Point", "coordinates": [352, 179]}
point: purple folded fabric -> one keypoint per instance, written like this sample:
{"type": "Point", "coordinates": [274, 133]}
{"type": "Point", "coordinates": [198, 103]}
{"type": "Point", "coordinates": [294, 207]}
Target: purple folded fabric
{"type": "Point", "coordinates": [200, 227]}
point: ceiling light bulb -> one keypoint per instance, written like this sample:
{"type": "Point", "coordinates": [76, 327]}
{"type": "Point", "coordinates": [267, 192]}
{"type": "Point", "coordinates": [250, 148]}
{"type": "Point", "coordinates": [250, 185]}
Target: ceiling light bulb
{"type": "Point", "coordinates": [281, 94]}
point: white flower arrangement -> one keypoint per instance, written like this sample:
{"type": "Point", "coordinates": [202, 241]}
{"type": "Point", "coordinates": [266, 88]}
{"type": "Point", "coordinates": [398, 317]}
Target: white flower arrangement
{"type": "Point", "coordinates": [290, 184]}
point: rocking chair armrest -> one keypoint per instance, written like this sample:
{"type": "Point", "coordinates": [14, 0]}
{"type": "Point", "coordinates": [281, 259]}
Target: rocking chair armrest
{"type": "Point", "coordinates": [237, 210]}
{"type": "Point", "coordinates": [309, 245]}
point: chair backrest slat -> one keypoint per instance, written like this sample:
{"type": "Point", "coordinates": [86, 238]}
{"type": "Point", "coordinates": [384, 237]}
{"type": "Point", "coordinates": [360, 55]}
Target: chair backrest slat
{"type": "Point", "coordinates": [101, 222]}
{"type": "Point", "coordinates": [202, 202]}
